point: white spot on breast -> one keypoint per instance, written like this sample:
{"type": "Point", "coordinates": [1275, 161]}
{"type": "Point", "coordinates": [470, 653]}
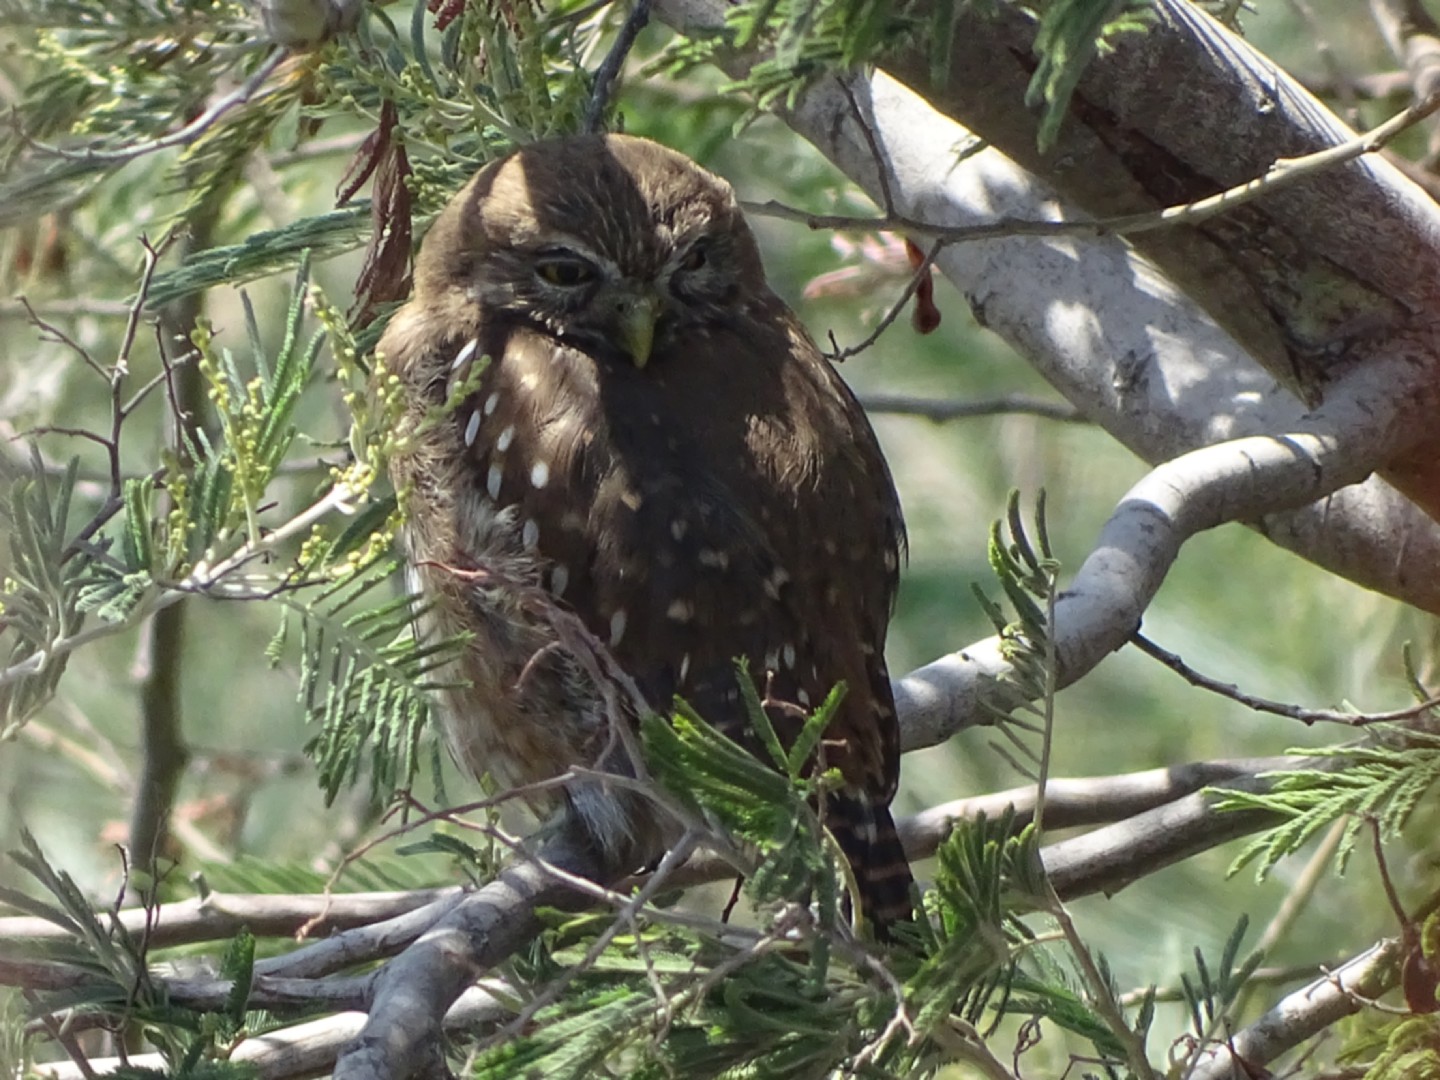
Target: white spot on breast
{"type": "Point", "coordinates": [465, 354]}
{"type": "Point", "coordinates": [472, 428]}
{"type": "Point", "coordinates": [530, 534]}
{"type": "Point", "coordinates": [493, 478]}
{"type": "Point", "coordinates": [772, 659]}
{"type": "Point", "coordinates": [506, 438]}
{"type": "Point", "coordinates": [802, 697]}
{"type": "Point", "coordinates": [714, 557]}
{"type": "Point", "coordinates": [492, 403]}
{"type": "Point", "coordinates": [678, 528]}
{"type": "Point", "coordinates": [680, 611]}
{"type": "Point", "coordinates": [891, 562]}
{"type": "Point", "coordinates": [559, 578]}
{"type": "Point", "coordinates": [539, 474]}
{"type": "Point", "coordinates": [777, 580]}
{"type": "Point", "coordinates": [790, 656]}
{"type": "Point", "coordinates": [617, 627]}
{"type": "Point", "coordinates": [831, 548]}
{"type": "Point", "coordinates": [684, 668]}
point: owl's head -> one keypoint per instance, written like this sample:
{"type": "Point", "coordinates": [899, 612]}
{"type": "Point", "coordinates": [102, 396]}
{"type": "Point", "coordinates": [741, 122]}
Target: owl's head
{"type": "Point", "coordinates": [611, 243]}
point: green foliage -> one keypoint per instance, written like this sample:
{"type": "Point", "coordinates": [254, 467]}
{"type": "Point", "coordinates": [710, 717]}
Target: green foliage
{"type": "Point", "coordinates": [768, 809]}
{"type": "Point", "coordinates": [40, 596]}
{"type": "Point", "coordinates": [255, 415]}
{"type": "Point", "coordinates": [16, 1042]}
{"type": "Point", "coordinates": [1412, 1051]}
{"type": "Point", "coordinates": [364, 680]}
{"type": "Point", "coordinates": [1071, 34]}
{"type": "Point", "coordinates": [1028, 577]}
{"type": "Point", "coordinates": [798, 41]}
{"type": "Point", "coordinates": [109, 975]}
{"type": "Point", "coordinates": [801, 40]}
{"type": "Point", "coordinates": [1210, 995]}
{"type": "Point", "coordinates": [988, 877]}
{"type": "Point", "coordinates": [263, 253]}
{"type": "Point", "coordinates": [108, 79]}
{"type": "Point", "coordinates": [1374, 783]}
{"type": "Point", "coordinates": [377, 872]}
{"type": "Point", "coordinates": [95, 944]}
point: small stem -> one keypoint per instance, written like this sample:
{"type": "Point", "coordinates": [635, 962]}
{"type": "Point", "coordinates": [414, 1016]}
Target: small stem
{"type": "Point", "coordinates": [1101, 997]}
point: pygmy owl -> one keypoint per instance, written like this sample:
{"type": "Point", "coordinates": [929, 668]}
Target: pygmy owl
{"type": "Point", "coordinates": [657, 447]}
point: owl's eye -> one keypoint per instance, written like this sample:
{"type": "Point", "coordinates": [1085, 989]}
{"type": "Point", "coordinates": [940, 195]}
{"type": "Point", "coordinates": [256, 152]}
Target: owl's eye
{"type": "Point", "coordinates": [694, 258]}
{"type": "Point", "coordinates": [567, 271]}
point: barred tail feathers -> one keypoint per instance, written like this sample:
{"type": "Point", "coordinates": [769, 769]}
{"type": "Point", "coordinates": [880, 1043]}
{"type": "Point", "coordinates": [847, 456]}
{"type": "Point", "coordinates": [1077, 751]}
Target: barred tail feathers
{"type": "Point", "coordinates": [866, 834]}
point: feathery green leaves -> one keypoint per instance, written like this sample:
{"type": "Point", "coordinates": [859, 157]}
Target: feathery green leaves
{"type": "Point", "coordinates": [1382, 782]}
{"type": "Point", "coordinates": [41, 594]}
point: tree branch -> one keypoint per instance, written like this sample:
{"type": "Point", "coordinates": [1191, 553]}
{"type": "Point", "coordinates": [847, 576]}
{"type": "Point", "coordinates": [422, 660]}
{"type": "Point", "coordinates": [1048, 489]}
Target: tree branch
{"type": "Point", "coordinates": [1308, 1011]}
{"type": "Point", "coordinates": [410, 994]}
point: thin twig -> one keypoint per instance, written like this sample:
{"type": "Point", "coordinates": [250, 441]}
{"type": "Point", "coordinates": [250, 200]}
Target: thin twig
{"type": "Point", "coordinates": [1277, 708]}
{"type": "Point", "coordinates": [840, 355]}
{"type": "Point", "coordinates": [1284, 172]}
{"type": "Point", "coordinates": [609, 69]}
{"type": "Point", "coordinates": [187, 134]}
{"type": "Point", "coordinates": [941, 409]}
{"type": "Point", "coordinates": [625, 917]}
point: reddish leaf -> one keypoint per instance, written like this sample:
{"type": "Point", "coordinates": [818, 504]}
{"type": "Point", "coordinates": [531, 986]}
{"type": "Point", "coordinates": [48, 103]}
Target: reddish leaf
{"type": "Point", "coordinates": [445, 11]}
{"type": "Point", "coordinates": [926, 317]}
{"type": "Point", "coordinates": [368, 157]}
{"type": "Point", "coordinates": [384, 277]}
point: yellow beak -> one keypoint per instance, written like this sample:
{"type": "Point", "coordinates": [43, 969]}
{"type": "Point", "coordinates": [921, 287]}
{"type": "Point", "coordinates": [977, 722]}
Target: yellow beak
{"type": "Point", "coordinates": [637, 326]}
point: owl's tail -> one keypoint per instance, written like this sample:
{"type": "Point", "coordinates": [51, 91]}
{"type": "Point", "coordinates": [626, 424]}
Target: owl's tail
{"type": "Point", "coordinates": [866, 833]}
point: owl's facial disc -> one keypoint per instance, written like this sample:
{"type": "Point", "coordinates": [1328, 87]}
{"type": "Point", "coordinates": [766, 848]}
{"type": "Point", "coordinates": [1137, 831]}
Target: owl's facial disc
{"type": "Point", "coordinates": [599, 299]}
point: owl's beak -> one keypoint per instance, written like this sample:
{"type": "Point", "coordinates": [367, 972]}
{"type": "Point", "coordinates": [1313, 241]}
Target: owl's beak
{"type": "Point", "coordinates": [638, 314]}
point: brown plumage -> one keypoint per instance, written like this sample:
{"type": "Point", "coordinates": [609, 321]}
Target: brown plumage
{"type": "Point", "coordinates": [658, 446]}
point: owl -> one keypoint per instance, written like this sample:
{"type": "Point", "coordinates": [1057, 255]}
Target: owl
{"type": "Point", "coordinates": [648, 444]}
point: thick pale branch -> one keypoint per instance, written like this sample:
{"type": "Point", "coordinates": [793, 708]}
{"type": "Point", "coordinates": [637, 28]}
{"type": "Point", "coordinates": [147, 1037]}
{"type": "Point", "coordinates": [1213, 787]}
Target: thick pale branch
{"type": "Point", "coordinates": [222, 915]}
{"type": "Point", "coordinates": [1074, 802]}
{"type": "Point", "coordinates": [1104, 604]}
{"type": "Point", "coordinates": [1303, 1014]}
{"type": "Point", "coordinates": [306, 1049]}
{"type": "Point", "coordinates": [411, 993]}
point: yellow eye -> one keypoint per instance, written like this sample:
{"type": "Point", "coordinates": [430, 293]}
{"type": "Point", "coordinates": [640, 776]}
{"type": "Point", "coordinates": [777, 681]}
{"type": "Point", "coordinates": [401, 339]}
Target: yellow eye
{"type": "Point", "coordinates": [565, 272]}
{"type": "Point", "coordinates": [694, 258]}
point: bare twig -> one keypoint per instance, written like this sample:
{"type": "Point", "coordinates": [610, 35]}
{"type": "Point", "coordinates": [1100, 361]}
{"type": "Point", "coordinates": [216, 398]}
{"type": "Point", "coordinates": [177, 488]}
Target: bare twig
{"type": "Point", "coordinates": [181, 137]}
{"type": "Point", "coordinates": [920, 272]}
{"type": "Point", "coordinates": [609, 69]}
{"type": "Point", "coordinates": [1283, 173]}
{"type": "Point", "coordinates": [1278, 708]}
{"type": "Point", "coordinates": [69, 308]}
{"type": "Point", "coordinates": [942, 409]}
{"type": "Point", "coordinates": [413, 991]}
